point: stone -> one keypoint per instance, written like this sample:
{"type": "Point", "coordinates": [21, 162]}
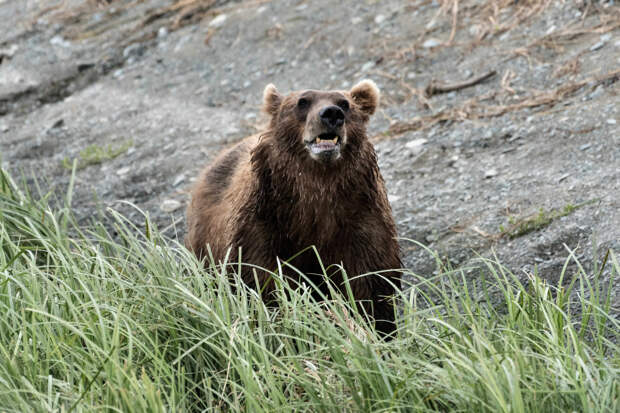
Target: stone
{"type": "Point", "coordinates": [430, 43]}
{"type": "Point", "coordinates": [356, 20]}
{"type": "Point", "coordinates": [597, 92]}
{"type": "Point", "coordinates": [218, 21]}
{"type": "Point", "coordinates": [123, 171]}
{"type": "Point", "coordinates": [170, 205]}
{"type": "Point", "coordinates": [596, 46]}
{"type": "Point", "coordinates": [57, 124]}
{"type": "Point", "coordinates": [490, 173]}
{"type": "Point", "coordinates": [415, 146]}
{"type": "Point", "coordinates": [162, 32]}
{"type": "Point", "coordinates": [367, 66]}
{"type": "Point", "coordinates": [178, 180]}
{"type": "Point", "coordinates": [134, 50]}
{"type": "Point", "coordinates": [8, 51]}
{"type": "Point", "coordinates": [58, 40]}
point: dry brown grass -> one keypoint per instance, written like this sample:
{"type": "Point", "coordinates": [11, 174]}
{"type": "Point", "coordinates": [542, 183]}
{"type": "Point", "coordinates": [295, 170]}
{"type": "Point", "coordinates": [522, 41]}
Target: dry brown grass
{"type": "Point", "coordinates": [608, 21]}
{"type": "Point", "coordinates": [473, 109]}
{"type": "Point", "coordinates": [499, 16]}
{"type": "Point", "coordinates": [78, 25]}
{"type": "Point", "coordinates": [472, 24]}
{"type": "Point", "coordinates": [570, 68]}
{"type": "Point", "coordinates": [487, 20]}
{"type": "Point", "coordinates": [490, 19]}
{"type": "Point", "coordinates": [181, 13]}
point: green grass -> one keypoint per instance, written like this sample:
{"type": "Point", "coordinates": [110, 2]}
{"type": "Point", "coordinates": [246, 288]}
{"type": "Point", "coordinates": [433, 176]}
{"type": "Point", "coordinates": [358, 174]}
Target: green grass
{"type": "Point", "coordinates": [132, 323]}
{"type": "Point", "coordinates": [518, 226]}
{"type": "Point", "coordinates": [95, 154]}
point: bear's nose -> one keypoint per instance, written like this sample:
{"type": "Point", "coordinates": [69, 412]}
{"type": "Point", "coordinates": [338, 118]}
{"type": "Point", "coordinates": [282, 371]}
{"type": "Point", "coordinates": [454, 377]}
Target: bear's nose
{"type": "Point", "coordinates": [332, 116]}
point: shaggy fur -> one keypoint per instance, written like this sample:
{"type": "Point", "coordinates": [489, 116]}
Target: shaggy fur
{"type": "Point", "coordinates": [270, 197]}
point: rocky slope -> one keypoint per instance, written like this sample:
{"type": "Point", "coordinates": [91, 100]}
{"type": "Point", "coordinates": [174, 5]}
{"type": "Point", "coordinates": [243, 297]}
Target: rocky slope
{"type": "Point", "coordinates": [523, 163]}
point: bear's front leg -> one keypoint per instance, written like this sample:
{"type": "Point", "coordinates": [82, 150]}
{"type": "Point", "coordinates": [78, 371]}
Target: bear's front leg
{"type": "Point", "coordinates": [375, 298]}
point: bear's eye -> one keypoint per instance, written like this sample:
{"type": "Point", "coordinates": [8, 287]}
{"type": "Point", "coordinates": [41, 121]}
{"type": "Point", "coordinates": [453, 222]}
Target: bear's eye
{"type": "Point", "coordinates": [303, 103]}
{"type": "Point", "coordinates": [343, 104]}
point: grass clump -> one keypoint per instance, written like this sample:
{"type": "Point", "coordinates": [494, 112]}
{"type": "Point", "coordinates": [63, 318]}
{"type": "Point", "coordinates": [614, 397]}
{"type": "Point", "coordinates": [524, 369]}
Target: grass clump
{"type": "Point", "coordinates": [133, 322]}
{"type": "Point", "coordinates": [95, 154]}
{"type": "Point", "coordinates": [518, 226]}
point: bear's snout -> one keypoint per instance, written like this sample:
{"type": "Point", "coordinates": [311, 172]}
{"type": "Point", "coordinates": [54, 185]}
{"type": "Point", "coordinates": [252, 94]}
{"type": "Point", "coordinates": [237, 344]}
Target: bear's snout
{"type": "Point", "coordinates": [332, 116]}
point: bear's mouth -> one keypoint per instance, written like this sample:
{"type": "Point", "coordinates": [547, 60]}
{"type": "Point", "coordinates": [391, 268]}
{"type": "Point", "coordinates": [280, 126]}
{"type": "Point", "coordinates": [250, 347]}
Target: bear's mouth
{"type": "Point", "coordinates": [325, 142]}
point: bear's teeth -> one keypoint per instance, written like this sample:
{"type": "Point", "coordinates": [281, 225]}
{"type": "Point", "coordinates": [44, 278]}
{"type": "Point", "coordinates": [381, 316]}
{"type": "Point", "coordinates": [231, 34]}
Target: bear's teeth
{"type": "Point", "coordinates": [335, 140]}
{"type": "Point", "coordinates": [318, 140]}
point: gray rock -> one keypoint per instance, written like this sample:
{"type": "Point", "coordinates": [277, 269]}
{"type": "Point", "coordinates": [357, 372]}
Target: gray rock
{"type": "Point", "coordinates": [490, 173]}
{"type": "Point", "coordinates": [57, 124]}
{"type": "Point", "coordinates": [600, 89]}
{"type": "Point", "coordinates": [8, 51]}
{"type": "Point", "coordinates": [416, 146]}
{"type": "Point", "coordinates": [123, 171]}
{"type": "Point", "coordinates": [134, 50]}
{"type": "Point", "coordinates": [218, 21]}
{"type": "Point", "coordinates": [178, 180]}
{"type": "Point", "coordinates": [367, 66]}
{"type": "Point", "coordinates": [170, 205]}
{"type": "Point", "coordinates": [430, 43]}
{"type": "Point", "coordinates": [58, 40]}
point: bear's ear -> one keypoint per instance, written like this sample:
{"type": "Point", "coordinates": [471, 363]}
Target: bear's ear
{"type": "Point", "coordinates": [271, 100]}
{"type": "Point", "coordinates": [366, 95]}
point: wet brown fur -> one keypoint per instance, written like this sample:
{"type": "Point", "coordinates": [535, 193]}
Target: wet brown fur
{"type": "Point", "coordinates": [269, 197]}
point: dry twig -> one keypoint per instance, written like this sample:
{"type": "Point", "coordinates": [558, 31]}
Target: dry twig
{"type": "Point", "coordinates": [455, 13]}
{"type": "Point", "coordinates": [435, 87]}
{"type": "Point", "coordinates": [509, 75]}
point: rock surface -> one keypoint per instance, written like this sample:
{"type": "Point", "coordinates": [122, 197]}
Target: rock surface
{"type": "Point", "coordinates": [175, 82]}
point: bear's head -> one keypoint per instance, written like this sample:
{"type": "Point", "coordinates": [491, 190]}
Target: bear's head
{"type": "Point", "coordinates": [321, 125]}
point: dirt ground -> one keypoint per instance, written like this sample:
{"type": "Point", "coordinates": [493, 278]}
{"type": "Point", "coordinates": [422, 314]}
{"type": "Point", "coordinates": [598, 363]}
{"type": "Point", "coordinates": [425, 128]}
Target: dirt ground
{"type": "Point", "coordinates": [498, 132]}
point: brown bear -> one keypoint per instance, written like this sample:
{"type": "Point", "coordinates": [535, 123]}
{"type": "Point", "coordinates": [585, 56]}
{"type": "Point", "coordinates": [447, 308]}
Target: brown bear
{"type": "Point", "coordinates": [309, 179]}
